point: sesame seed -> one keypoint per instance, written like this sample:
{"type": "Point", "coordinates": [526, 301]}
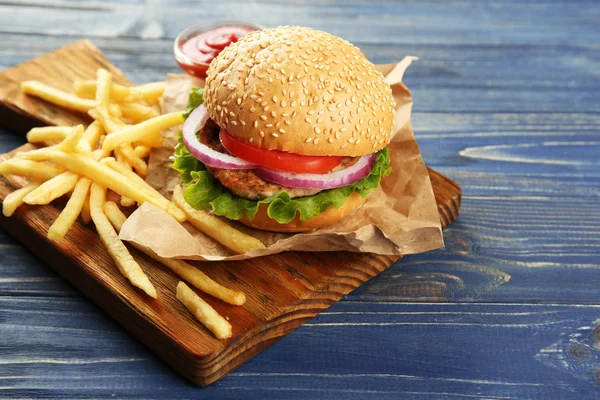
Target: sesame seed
{"type": "Point", "coordinates": [252, 109]}
{"type": "Point", "coordinates": [317, 130]}
{"type": "Point", "coordinates": [319, 120]}
{"type": "Point", "coordinates": [274, 99]}
{"type": "Point", "coordinates": [273, 114]}
{"type": "Point", "coordinates": [344, 129]}
{"type": "Point", "coordinates": [268, 125]}
{"type": "Point", "coordinates": [251, 140]}
{"type": "Point", "coordinates": [231, 114]}
{"type": "Point", "coordinates": [283, 103]}
{"type": "Point", "coordinates": [263, 117]}
{"type": "Point", "coordinates": [233, 122]}
{"type": "Point", "coordinates": [218, 108]}
{"type": "Point", "coordinates": [346, 144]}
{"type": "Point", "coordinates": [264, 103]}
{"type": "Point", "coordinates": [274, 134]}
{"type": "Point", "coordinates": [351, 140]}
{"type": "Point", "coordinates": [308, 140]}
{"type": "Point", "coordinates": [270, 80]}
{"type": "Point", "coordinates": [281, 130]}
{"type": "Point", "coordinates": [262, 134]}
{"type": "Point", "coordinates": [316, 141]}
{"type": "Point", "coordinates": [330, 140]}
{"type": "Point", "coordinates": [308, 120]}
{"type": "Point", "coordinates": [255, 124]}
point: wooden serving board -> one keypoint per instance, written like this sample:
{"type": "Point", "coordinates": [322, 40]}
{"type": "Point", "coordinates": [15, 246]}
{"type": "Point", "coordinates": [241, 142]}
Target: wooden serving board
{"type": "Point", "coordinates": [283, 290]}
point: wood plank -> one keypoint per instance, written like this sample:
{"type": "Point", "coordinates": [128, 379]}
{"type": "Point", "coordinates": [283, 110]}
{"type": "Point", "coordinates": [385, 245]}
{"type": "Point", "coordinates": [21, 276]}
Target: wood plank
{"type": "Point", "coordinates": [354, 350]}
{"type": "Point", "coordinates": [447, 77]}
{"type": "Point", "coordinates": [467, 22]}
{"type": "Point", "coordinates": [283, 290]}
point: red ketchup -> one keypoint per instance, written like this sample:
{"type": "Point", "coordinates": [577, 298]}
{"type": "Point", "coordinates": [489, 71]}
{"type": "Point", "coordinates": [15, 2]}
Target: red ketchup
{"type": "Point", "coordinates": [197, 46]}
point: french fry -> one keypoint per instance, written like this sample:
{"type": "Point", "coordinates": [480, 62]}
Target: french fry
{"type": "Point", "coordinates": [69, 214]}
{"type": "Point", "coordinates": [56, 96]}
{"type": "Point", "coordinates": [103, 83]}
{"type": "Point", "coordinates": [132, 176]}
{"type": "Point", "coordinates": [52, 189]}
{"type": "Point", "coordinates": [125, 201]}
{"type": "Point", "coordinates": [72, 140]}
{"type": "Point", "coordinates": [149, 92]}
{"type": "Point", "coordinates": [48, 134]}
{"type": "Point", "coordinates": [119, 93]}
{"type": "Point", "coordinates": [203, 312]}
{"type": "Point", "coordinates": [142, 151]}
{"type": "Point", "coordinates": [30, 169]}
{"type": "Point", "coordinates": [136, 112]}
{"type": "Point", "coordinates": [223, 233]}
{"type": "Point", "coordinates": [105, 176]}
{"type": "Point", "coordinates": [86, 216]}
{"type": "Point", "coordinates": [186, 271]}
{"type": "Point", "coordinates": [103, 117]}
{"type": "Point", "coordinates": [13, 200]}
{"type": "Point", "coordinates": [89, 139]}
{"type": "Point", "coordinates": [146, 132]}
{"type": "Point", "coordinates": [125, 151]}
{"type": "Point", "coordinates": [117, 250]}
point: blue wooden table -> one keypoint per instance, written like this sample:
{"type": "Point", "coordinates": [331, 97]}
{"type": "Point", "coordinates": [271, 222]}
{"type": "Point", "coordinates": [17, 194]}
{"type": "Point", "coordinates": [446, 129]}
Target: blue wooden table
{"type": "Point", "coordinates": [507, 103]}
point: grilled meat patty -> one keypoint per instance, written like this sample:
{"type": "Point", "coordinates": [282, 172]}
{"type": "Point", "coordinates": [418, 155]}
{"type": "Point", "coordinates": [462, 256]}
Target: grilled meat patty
{"type": "Point", "coordinates": [243, 182]}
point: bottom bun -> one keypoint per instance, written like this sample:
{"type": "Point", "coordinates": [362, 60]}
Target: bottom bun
{"type": "Point", "coordinates": [263, 221]}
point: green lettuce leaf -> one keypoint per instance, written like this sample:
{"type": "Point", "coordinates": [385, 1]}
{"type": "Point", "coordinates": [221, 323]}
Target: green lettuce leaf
{"type": "Point", "coordinates": [203, 190]}
{"type": "Point", "coordinates": [194, 100]}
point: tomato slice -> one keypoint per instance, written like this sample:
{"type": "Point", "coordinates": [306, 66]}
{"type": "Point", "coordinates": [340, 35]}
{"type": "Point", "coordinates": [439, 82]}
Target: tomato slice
{"type": "Point", "coordinates": [279, 160]}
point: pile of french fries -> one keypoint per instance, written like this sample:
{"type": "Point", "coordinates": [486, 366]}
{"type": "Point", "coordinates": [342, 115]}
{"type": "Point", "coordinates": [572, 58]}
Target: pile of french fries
{"type": "Point", "coordinates": [110, 154]}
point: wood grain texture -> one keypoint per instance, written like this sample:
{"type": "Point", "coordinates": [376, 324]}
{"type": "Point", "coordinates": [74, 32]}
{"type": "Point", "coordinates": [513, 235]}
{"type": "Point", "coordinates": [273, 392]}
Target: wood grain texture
{"type": "Point", "coordinates": [490, 73]}
{"type": "Point", "coordinates": [283, 290]}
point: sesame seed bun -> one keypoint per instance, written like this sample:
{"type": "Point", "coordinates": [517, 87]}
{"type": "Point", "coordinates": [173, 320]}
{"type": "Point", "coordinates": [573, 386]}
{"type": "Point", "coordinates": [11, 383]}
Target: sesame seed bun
{"type": "Point", "coordinates": [331, 215]}
{"type": "Point", "coordinates": [302, 91]}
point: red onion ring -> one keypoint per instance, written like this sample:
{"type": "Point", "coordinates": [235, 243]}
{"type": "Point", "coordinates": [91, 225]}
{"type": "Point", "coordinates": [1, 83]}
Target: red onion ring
{"type": "Point", "coordinates": [340, 178]}
{"type": "Point", "coordinates": [196, 121]}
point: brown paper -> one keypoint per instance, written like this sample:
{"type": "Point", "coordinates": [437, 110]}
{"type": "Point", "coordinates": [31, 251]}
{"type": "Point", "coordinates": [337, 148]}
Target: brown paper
{"type": "Point", "coordinates": [400, 217]}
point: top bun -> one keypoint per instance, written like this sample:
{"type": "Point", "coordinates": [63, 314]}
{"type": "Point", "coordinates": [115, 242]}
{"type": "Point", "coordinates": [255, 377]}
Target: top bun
{"type": "Point", "coordinates": [302, 91]}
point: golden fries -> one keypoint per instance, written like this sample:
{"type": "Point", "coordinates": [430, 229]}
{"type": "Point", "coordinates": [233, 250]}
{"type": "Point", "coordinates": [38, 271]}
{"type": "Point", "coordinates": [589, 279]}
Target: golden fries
{"type": "Point", "coordinates": [149, 92]}
{"type": "Point", "coordinates": [52, 189]}
{"type": "Point", "coordinates": [125, 201]}
{"type": "Point", "coordinates": [72, 140]}
{"type": "Point", "coordinates": [105, 176]}
{"type": "Point", "coordinates": [103, 83]}
{"type": "Point", "coordinates": [111, 154]}
{"type": "Point", "coordinates": [15, 199]}
{"type": "Point", "coordinates": [135, 178]}
{"type": "Point", "coordinates": [48, 134]}
{"type": "Point", "coordinates": [126, 152]}
{"type": "Point", "coordinates": [188, 272]}
{"type": "Point", "coordinates": [30, 169]}
{"type": "Point", "coordinates": [203, 312]}
{"type": "Point", "coordinates": [223, 233]}
{"type": "Point", "coordinates": [69, 214]}
{"type": "Point", "coordinates": [136, 112]}
{"type": "Point", "coordinates": [58, 97]}
{"type": "Point", "coordinates": [125, 262]}
{"type": "Point", "coordinates": [86, 215]}
{"type": "Point", "coordinates": [142, 151]}
{"type": "Point", "coordinates": [147, 132]}
{"type": "Point", "coordinates": [89, 139]}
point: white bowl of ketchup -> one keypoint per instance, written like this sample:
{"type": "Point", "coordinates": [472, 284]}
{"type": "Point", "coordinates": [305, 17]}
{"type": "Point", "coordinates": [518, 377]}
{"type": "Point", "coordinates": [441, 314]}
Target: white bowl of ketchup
{"type": "Point", "coordinates": [199, 44]}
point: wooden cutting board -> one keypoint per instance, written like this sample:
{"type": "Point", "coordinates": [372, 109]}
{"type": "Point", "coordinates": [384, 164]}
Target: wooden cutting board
{"type": "Point", "coordinates": [283, 290]}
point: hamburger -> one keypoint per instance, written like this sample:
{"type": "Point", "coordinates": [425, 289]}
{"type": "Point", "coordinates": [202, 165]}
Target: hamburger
{"type": "Point", "coordinates": [289, 133]}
